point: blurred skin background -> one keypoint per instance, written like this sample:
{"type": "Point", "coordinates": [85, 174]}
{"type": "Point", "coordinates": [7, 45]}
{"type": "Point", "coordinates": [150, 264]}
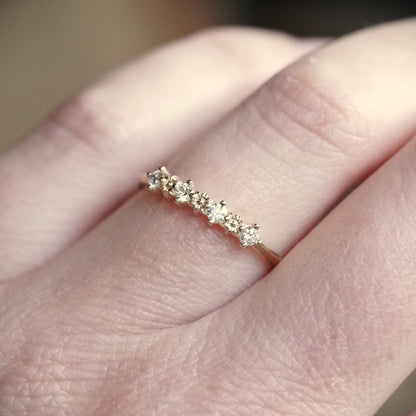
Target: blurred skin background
{"type": "Point", "coordinates": [49, 49]}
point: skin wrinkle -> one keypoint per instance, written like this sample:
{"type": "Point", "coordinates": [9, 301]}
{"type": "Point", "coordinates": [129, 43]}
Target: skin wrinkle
{"type": "Point", "coordinates": [259, 141]}
{"type": "Point", "coordinates": [42, 373]}
{"type": "Point", "coordinates": [323, 113]}
{"type": "Point", "coordinates": [136, 387]}
{"type": "Point", "coordinates": [228, 371]}
{"type": "Point", "coordinates": [84, 120]}
{"type": "Point", "coordinates": [255, 390]}
{"type": "Point", "coordinates": [138, 317]}
{"type": "Point", "coordinates": [121, 375]}
{"type": "Point", "coordinates": [285, 380]}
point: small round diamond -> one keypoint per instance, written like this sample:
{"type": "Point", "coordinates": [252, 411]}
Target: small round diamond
{"type": "Point", "coordinates": [154, 178]}
{"type": "Point", "coordinates": [233, 223]}
{"type": "Point", "coordinates": [216, 212]}
{"type": "Point", "coordinates": [168, 183]}
{"type": "Point", "coordinates": [199, 201]}
{"type": "Point", "coordinates": [249, 235]}
{"type": "Point", "coordinates": [182, 191]}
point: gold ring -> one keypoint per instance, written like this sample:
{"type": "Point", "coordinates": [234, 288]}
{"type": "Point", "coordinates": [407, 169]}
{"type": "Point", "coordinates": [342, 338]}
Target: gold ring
{"type": "Point", "coordinates": [216, 212]}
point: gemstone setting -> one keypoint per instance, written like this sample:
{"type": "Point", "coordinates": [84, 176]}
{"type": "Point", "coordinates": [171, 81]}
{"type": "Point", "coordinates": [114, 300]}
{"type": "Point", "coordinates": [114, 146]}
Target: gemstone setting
{"type": "Point", "coordinates": [182, 191]}
{"type": "Point", "coordinates": [167, 184]}
{"type": "Point", "coordinates": [249, 235]}
{"type": "Point", "coordinates": [154, 178]}
{"type": "Point", "coordinates": [232, 223]}
{"type": "Point", "coordinates": [199, 201]}
{"type": "Point", "coordinates": [216, 212]}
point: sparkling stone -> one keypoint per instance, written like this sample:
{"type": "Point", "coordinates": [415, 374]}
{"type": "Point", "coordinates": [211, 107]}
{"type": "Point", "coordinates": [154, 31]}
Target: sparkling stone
{"type": "Point", "coordinates": [182, 191]}
{"type": "Point", "coordinates": [168, 183]}
{"type": "Point", "coordinates": [216, 212]}
{"type": "Point", "coordinates": [199, 201]}
{"type": "Point", "coordinates": [154, 178]}
{"type": "Point", "coordinates": [249, 235]}
{"type": "Point", "coordinates": [233, 223]}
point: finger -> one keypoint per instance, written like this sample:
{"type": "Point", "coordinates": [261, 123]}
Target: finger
{"type": "Point", "coordinates": [81, 162]}
{"type": "Point", "coordinates": [282, 160]}
{"type": "Point", "coordinates": [337, 319]}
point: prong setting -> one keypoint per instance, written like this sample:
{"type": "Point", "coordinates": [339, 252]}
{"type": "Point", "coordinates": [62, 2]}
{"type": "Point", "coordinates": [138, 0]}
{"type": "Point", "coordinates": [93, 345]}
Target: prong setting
{"type": "Point", "coordinates": [199, 201]}
{"type": "Point", "coordinates": [249, 235]}
{"type": "Point", "coordinates": [168, 183]}
{"type": "Point", "coordinates": [216, 212]}
{"type": "Point", "coordinates": [232, 223]}
{"type": "Point", "coordinates": [182, 191]}
{"type": "Point", "coordinates": [164, 170]}
{"type": "Point", "coordinates": [154, 178]}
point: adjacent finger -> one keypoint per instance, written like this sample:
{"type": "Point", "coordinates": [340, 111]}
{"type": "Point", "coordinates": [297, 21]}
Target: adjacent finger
{"type": "Point", "coordinates": [282, 160]}
{"type": "Point", "coordinates": [82, 161]}
{"type": "Point", "coordinates": [333, 328]}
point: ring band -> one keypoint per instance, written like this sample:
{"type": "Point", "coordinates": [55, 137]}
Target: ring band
{"type": "Point", "coordinates": [216, 212]}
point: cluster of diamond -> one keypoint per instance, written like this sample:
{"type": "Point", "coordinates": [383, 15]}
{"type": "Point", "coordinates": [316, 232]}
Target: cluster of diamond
{"type": "Point", "coordinates": [217, 212]}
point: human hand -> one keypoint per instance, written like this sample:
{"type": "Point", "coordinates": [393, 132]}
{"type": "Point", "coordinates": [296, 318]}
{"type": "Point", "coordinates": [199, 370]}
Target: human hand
{"type": "Point", "coordinates": [118, 303]}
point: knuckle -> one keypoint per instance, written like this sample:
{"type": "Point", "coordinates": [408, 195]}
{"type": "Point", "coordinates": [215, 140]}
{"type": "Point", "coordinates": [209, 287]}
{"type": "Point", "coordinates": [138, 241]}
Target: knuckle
{"type": "Point", "coordinates": [87, 120]}
{"type": "Point", "coordinates": [315, 117]}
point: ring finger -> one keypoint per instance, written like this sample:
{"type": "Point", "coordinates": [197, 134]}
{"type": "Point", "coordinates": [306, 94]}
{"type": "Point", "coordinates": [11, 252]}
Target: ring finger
{"type": "Point", "coordinates": [282, 159]}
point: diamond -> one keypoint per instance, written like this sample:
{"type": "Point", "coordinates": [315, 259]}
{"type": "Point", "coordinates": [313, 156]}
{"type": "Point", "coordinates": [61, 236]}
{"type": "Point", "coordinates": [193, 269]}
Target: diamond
{"type": "Point", "coordinates": [216, 212]}
{"type": "Point", "coordinates": [233, 223]}
{"type": "Point", "coordinates": [199, 201]}
{"type": "Point", "coordinates": [249, 235]}
{"type": "Point", "coordinates": [168, 183]}
{"type": "Point", "coordinates": [154, 178]}
{"type": "Point", "coordinates": [182, 191]}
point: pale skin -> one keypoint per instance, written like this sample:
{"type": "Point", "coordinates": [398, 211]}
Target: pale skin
{"type": "Point", "coordinates": [118, 302]}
